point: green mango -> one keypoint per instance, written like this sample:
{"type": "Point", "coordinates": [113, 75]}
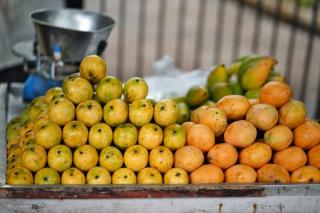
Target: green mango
{"type": "Point", "coordinates": [246, 58]}
{"type": "Point", "coordinates": [235, 85]}
{"type": "Point", "coordinates": [13, 133]}
{"type": "Point", "coordinates": [218, 74]}
{"type": "Point", "coordinates": [15, 121]}
{"type": "Point", "coordinates": [196, 96]}
{"type": "Point", "coordinates": [274, 76]}
{"type": "Point", "coordinates": [209, 103]}
{"type": "Point", "coordinates": [255, 72]}
{"type": "Point", "coordinates": [234, 68]}
{"type": "Point", "coordinates": [179, 99]}
{"type": "Point", "coordinates": [24, 115]}
{"type": "Point", "coordinates": [253, 94]}
{"type": "Point", "coordinates": [219, 90]}
{"type": "Point", "coordinates": [183, 112]}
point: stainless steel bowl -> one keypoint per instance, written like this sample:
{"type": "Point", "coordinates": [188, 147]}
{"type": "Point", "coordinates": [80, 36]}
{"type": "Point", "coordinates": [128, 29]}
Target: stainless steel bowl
{"type": "Point", "coordinates": [76, 33]}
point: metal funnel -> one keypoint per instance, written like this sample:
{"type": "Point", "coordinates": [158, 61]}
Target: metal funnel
{"type": "Point", "coordinates": [75, 33]}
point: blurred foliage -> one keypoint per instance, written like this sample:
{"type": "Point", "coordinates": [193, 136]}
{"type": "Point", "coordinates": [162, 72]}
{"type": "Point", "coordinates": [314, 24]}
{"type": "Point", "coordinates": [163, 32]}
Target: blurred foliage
{"type": "Point", "coordinates": [306, 3]}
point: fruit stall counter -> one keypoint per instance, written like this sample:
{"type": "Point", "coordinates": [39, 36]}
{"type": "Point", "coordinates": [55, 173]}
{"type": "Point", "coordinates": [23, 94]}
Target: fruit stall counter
{"type": "Point", "coordinates": [197, 198]}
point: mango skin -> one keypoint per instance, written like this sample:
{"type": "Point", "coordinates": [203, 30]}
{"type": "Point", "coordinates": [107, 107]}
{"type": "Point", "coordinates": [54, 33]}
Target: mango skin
{"type": "Point", "coordinates": [253, 94]}
{"type": "Point", "coordinates": [134, 89]}
{"type": "Point", "coordinates": [197, 95]}
{"type": "Point", "coordinates": [274, 76]}
{"type": "Point", "coordinates": [165, 112]}
{"type": "Point", "coordinates": [235, 85]}
{"type": "Point", "coordinates": [234, 68]}
{"type": "Point", "coordinates": [183, 112]}
{"type": "Point", "coordinates": [255, 72]}
{"type": "Point", "coordinates": [246, 58]}
{"type": "Point", "coordinates": [109, 88]}
{"type": "Point", "coordinates": [93, 68]}
{"type": "Point", "coordinates": [219, 90]}
{"type": "Point", "coordinates": [217, 75]}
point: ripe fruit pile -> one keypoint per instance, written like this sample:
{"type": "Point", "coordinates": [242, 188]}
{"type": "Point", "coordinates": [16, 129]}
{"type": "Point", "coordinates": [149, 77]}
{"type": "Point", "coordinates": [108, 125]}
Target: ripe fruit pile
{"type": "Point", "coordinates": [85, 132]}
{"type": "Point", "coordinates": [244, 77]}
{"type": "Point", "coordinates": [94, 130]}
{"type": "Point", "coordinates": [256, 129]}
{"type": "Point", "coordinates": [264, 141]}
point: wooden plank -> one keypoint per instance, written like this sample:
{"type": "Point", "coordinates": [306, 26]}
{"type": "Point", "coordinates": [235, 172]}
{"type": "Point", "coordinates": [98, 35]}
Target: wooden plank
{"type": "Point", "coordinates": [131, 191]}
{"type": "Point", "coordinates": [157, 191]}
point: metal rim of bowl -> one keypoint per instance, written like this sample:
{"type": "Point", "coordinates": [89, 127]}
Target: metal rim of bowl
{"type": "Point", "coordinates": [75, 10]}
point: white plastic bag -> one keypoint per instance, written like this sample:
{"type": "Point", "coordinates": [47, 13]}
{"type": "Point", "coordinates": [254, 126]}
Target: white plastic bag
{"type": "Point", "coordinates": [170, 81]}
